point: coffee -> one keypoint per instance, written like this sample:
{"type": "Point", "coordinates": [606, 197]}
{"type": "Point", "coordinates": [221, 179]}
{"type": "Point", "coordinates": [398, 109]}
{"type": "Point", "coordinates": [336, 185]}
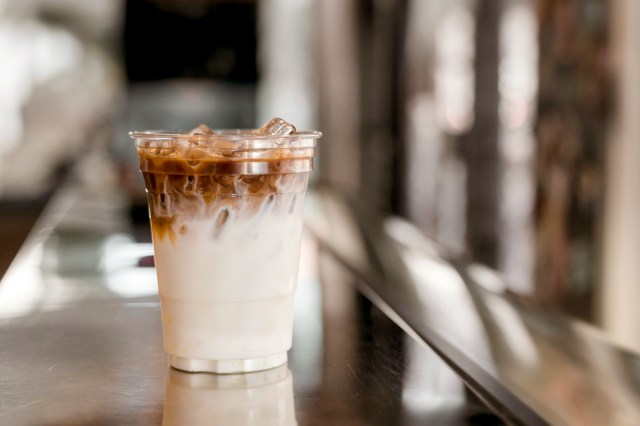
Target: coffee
{"type": "Point", "coordinates": [226, 219]}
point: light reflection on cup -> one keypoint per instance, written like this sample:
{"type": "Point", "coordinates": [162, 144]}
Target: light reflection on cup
{"type": "Point", "coordinates": [260, 398]}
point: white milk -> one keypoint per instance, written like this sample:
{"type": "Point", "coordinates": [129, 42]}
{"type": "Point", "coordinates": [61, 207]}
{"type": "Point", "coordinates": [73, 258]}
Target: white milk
{"type": "Point", "coordinates": [227, 292]}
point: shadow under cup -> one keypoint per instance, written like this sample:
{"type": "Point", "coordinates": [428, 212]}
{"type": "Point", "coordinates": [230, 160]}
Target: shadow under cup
{"type": "Point", "coordinates": [226, 218]}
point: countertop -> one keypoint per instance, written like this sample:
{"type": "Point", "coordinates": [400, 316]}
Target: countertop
{"type": "Point", "coordinates": [81, 342]}
{"type": "Point", "coordinates": [389, 330]}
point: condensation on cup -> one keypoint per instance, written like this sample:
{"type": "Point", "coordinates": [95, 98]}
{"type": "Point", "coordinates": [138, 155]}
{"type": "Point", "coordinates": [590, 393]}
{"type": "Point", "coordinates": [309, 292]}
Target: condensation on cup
{"type": "Point", "coordinates": [226, 220]}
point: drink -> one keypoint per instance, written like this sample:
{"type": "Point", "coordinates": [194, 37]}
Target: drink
{"type": "Point", "coordinates": [226, 219]}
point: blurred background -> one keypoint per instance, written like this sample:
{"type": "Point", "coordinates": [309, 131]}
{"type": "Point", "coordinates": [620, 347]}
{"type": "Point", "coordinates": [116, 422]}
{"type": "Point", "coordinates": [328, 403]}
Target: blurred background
{"type": "Point", "coordinates": [507, 130]}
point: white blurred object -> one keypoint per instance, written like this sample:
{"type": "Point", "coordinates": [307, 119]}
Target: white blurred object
{"type": "Point", "coordinates": [33, 54]}
{"type": "Point", "coordinates": [287, 83]}
{"type": "Point", "coordinates": [55, 89]}
{"type": "Point", "coordinates": [518, 85]}
{"type": "Point", "coordinates": [619, 298]}
{"type": "Point", "coordinates": [454, 77]}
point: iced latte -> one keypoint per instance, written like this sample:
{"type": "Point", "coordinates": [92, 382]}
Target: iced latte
{"type": "Point", "coordinates": [226, 219]}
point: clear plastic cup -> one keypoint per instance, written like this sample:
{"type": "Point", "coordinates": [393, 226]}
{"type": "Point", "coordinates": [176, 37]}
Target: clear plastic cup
{"type": "Point", "coordinates": [226, 220]}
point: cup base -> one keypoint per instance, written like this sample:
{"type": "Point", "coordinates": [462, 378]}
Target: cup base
{"type": "Point", "coordinates": [227, 366]}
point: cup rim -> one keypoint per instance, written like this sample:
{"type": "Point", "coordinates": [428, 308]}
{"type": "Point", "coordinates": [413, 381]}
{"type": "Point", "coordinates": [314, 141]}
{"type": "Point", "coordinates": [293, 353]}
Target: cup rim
{"type": "Point", "coordinates": [223, 134]}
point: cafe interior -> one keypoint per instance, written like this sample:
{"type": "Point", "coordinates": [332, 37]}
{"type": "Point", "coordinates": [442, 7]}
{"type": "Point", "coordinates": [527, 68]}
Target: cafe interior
{"type": "Point", "coordinates": [469, 224]}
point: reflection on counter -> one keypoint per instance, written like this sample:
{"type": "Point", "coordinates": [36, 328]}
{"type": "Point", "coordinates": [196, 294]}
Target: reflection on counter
{"type": "Point", "coordinates": [261, 398]}
{"type": "Point", "coordinates": [431, 392]}
{"type": "Point", "coordinates": [533, 364]}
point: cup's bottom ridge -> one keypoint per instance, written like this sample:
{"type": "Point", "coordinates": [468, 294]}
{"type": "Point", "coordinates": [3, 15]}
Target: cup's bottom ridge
{"type": "Point", "coordinates": [227, 366]}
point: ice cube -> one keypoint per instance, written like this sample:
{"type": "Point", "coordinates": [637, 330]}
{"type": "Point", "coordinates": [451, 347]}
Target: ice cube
{"type": "Point", "coordinates": [182, 143]}
{"type": "Point", "coordinates": [202, 129]}
{"type": "Point", "coordinates": [276, 126]}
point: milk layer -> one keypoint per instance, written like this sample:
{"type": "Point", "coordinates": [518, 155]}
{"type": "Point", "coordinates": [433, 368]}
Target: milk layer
{"type": "Point", "coordinates": [227, 288]}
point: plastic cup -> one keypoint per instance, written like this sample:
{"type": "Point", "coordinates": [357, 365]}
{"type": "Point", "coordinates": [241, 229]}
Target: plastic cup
{"type": "Point", "coordinates": [226, 221]}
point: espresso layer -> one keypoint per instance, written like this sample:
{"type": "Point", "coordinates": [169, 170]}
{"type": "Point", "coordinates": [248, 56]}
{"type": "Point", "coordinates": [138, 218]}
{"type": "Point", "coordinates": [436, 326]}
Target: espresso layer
{"type": "Point", "coordinates": [188, 180]}
{"type": "Point", "coordinates": [175, 200]}
{"type": "Point", "coordinates": [200, 161]}
{"type": "Point", "coordinates": [210, 186]}
{"type": "Point", "coordinates": [179, 166]}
